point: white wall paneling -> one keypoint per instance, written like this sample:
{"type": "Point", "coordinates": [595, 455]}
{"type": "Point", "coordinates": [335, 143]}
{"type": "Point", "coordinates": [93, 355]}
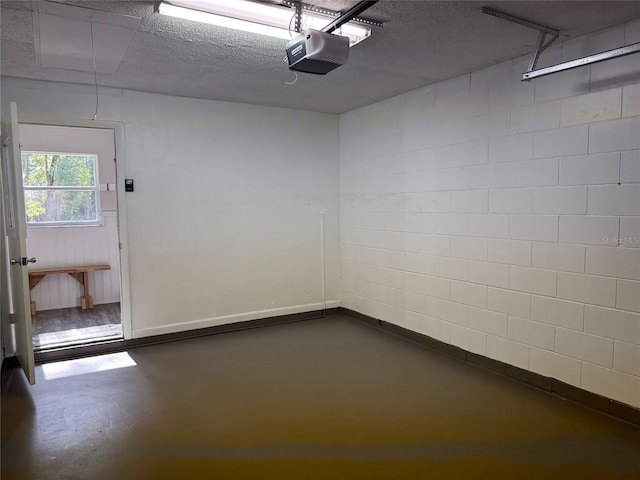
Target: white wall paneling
{"type": "Point", "coordinates": [68, 246]}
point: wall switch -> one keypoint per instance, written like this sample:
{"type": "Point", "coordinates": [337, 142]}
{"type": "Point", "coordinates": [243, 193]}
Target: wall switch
{"type": "Point", "coordinates": [128, 184]}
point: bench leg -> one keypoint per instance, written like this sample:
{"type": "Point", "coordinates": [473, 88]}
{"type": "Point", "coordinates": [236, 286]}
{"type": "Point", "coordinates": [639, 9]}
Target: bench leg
{"type": "Point", "coordinates": [33, 308]}
{"type": "Point", "coordinates": [87, 300]}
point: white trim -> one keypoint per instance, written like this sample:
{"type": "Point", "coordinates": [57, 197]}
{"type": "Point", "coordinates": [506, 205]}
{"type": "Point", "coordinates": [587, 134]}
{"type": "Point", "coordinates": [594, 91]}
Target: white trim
{"type": "Point", "coordinates": [123, 236]}
{"type": "Point", "coordinates": [236, 318]}
{"type": "Point", "coordinates": [121, 164]}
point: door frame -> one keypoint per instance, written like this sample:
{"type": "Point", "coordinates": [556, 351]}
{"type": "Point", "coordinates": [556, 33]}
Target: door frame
{"type": "Point", "coordinates": [121, 213]}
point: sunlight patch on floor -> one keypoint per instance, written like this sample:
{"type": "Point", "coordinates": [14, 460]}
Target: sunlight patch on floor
{"type": "Point", "coordinates": [82, 366]}
{"type": "Point", "coordinates": [77, 335]}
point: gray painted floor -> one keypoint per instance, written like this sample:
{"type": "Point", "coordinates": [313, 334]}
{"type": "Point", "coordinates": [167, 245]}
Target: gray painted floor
{"type": "Point", "coordinates": [320, 399]}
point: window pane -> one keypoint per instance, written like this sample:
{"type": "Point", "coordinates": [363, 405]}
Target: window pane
{"type": "Point", "coordinates": [58, 170]}
{"type": "Point", "coordinates": [55, 206]}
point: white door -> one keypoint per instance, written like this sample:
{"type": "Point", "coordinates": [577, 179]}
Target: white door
{"type": "Point", "coordinates": [16, 297]}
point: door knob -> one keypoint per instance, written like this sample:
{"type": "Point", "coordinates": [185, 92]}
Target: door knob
{"type": "Point", "coordinates": [23, 261]}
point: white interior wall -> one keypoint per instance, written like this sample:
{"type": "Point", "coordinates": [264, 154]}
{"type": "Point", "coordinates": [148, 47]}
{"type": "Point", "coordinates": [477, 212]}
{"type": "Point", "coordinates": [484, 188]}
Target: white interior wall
{"type": "Point", "coordinates": [224, 223]}
{"type": "Point", "coordinates": [504, 217]}
{"type": "Point", "coordinates": [70, 246]}
{"type": "Point", "coordinates": [226, 213]}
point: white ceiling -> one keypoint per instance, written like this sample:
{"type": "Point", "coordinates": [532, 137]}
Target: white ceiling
{"type": "Point", "coordinates": [422, 42]}
{"type": "Point", "coordinates": [71, 38]}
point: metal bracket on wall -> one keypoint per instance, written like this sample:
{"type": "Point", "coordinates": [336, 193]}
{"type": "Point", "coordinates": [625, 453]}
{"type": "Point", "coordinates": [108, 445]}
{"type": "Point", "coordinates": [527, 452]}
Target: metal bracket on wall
{"type": "Point", "coordinates": [580, 62]}
{"type": "Point", "coordinates": [531, 73]}
{"type": "Point", "coordinates": [541, 46]}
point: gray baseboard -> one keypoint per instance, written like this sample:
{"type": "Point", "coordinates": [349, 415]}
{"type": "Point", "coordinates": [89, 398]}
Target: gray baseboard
{"type": "Point", "coordinates": [114, 346]}
{"type": "Point", "coordinates": [550, 385]}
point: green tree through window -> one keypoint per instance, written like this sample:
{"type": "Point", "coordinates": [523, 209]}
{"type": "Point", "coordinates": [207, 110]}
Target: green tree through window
{"type": "Point", "coordinates": [60, 189]}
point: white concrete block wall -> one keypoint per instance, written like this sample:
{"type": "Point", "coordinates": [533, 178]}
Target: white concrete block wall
{"type": "Point", "coordinates": [504, 216]}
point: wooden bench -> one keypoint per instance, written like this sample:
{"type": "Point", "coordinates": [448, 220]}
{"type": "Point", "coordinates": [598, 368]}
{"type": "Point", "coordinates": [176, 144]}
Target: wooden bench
{"type": "Point", "coordinates": [79, 273]}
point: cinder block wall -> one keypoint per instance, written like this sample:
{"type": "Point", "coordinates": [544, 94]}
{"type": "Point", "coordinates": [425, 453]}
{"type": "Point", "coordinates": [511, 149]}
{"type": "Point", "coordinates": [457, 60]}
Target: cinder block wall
{"type": "Point", "coordinates": [503, 216]}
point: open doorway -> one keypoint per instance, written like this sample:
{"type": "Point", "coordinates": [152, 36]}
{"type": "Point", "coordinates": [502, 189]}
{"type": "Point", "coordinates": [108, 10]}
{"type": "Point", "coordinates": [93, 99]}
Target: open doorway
{"type": "Point", "coordinates": [69, 177]}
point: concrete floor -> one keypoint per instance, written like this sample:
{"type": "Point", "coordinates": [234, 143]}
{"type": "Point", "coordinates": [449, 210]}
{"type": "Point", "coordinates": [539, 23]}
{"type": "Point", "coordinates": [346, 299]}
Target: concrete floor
{"type": "Point", "coordinates": [321, 399]}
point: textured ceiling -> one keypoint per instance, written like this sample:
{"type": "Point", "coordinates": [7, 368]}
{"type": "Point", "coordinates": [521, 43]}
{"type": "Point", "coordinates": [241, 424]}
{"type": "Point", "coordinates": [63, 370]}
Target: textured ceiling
{"type": "Point", "coordinates": [422, 42]}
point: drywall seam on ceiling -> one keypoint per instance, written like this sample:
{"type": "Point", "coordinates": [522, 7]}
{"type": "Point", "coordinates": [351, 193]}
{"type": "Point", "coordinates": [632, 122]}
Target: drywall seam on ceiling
{"type": "Point", "coordinates": [71, 38]}
{"type": "Point", "coordinates": [36, 31]}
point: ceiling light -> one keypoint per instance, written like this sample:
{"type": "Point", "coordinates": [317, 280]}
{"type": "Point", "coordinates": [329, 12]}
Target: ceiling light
{"type": "Point", "coordinates": [222, 21]}
{"type": "Point", "coordinates": [250, 16]}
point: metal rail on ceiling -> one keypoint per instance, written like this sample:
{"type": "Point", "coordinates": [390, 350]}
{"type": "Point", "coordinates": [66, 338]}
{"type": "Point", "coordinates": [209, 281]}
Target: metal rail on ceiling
{"type": "Point", "coordinates": [349, 15]}
{"type": "Point", "coordinates": [580, 62]}
{"type": "Point", "coordinates": [300, 6]}
{"type": "Point", "coordinates": [531, 73]}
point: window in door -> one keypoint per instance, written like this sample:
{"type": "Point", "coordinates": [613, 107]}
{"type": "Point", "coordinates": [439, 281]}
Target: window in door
{"type": "Point", "coordinates": [60, 189]}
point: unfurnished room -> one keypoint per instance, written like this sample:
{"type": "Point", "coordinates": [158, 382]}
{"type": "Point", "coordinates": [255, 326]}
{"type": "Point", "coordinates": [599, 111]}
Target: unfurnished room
{"type": "Point", "coordinates": [320, 239]}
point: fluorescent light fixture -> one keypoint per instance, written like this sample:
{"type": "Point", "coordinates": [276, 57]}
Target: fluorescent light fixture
{"type": "Point", "coordinates": [265, 19]}
{"type": "Point", "coordinates": [222, 21]}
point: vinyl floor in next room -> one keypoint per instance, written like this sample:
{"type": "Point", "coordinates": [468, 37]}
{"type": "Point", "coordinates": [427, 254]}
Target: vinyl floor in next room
{"type": "Point", "coordinates": [323, 399]}
{"type": "Point", "coordinates": [73, 326]}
